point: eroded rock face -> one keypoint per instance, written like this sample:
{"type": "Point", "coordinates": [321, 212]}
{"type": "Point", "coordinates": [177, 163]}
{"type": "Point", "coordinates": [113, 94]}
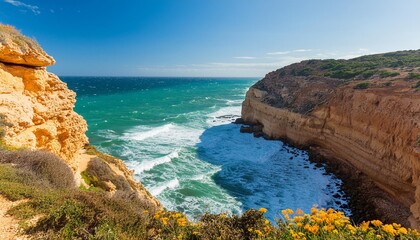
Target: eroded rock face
{"type": "Point", "coordinates": [39, 108]}
{"type": "Point", "coordinates": [36, 112]}
{"type": "Point", "coordinates": [375, 130]}
{"type": "Point", "coordinates": [36, 106]}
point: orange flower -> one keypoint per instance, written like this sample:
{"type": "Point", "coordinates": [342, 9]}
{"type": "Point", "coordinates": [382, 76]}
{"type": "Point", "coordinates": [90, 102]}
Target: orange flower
{"type": "Point", "coordinates": [263, 210]}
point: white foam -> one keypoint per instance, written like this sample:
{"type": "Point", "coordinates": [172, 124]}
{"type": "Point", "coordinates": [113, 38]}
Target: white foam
{"type": "Point", "coordinates": [172, 184]}
{"type": "Point", "coordinates": [142, 135]}
{"type": "Point", "coordinates": [149, 164]}
{"type": "Point", "coordinates": [224, 115]}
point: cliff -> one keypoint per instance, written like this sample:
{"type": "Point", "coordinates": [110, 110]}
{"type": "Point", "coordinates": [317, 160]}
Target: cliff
{"type": "Point", "coordinates": [36, 113]}
{"type": "Point", "coordinates": [364, 112]}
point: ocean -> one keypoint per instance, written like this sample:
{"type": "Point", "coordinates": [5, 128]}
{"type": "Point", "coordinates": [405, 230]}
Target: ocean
{"type": "Point", "coordinates": [176, 133]}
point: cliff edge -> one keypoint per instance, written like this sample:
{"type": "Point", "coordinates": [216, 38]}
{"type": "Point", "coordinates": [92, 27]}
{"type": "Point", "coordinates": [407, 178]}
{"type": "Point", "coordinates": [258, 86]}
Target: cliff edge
{"type": "Point", "coordinates": [363, 112]}
{"type": "Point", "coordinates": [36, 113]}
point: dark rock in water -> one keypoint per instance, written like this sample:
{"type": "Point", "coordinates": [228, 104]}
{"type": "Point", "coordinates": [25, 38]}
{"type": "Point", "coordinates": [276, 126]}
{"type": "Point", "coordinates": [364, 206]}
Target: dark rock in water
{"type": "Point", "coordinates": [245, 129]}
{"type": "Point", "coordinates": [258, 134]}
{"type": "Point", "coordinates": [255, 129]}
{"type": "Point", "coordinates": [239, 121]}
{"type": "Point", "coordinates": [228, 116]}
{"type": "Point", "coordinates": [318, 165]}
{"type": "Point", "coordinates": [290, 158]}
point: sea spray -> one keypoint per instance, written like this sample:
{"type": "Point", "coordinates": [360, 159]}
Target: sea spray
{"type": "Point", "coordinates": [178, 137]}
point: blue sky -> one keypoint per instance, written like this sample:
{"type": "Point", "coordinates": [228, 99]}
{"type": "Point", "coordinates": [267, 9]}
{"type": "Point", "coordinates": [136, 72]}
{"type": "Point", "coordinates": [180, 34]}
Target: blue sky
{"type": "Point", "coordinates": [209, 37]}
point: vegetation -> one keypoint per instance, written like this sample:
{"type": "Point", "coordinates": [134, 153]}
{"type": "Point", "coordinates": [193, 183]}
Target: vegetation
{"type": "Point", "coordinates": [385, 74]}
{"type": "Point", "coordinates": [413, 75]}
{"type": "Point", "coordinates": [8, 32]}
{"type": "Point", "coordinates": [66, 212]}
{"type": "Point", "coordinates": [417, 85]}
{"type": "Point", "coordinates": [363, 85]}
{"type": "Point", "coordinates": [387, 84]}
{"type": "Point", "coordinates": [371, 66]}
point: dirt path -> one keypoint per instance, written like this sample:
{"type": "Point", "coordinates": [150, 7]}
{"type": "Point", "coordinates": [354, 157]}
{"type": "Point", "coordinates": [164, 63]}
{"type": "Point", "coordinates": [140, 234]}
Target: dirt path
{"type": "Point", "coordinates": [9, 227]}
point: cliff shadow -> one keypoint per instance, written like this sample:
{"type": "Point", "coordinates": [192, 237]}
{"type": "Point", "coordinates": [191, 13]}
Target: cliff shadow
{"type": "Point", "coordinates": [261, 173]}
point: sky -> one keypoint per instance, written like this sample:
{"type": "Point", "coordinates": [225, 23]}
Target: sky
{"type": "Point", "coordinates": [209, 38]}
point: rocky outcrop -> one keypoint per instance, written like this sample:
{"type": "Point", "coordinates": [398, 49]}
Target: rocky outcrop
{"type": "Point", "coordinates": [37, 105]}
{"type": "Point", "coordinates": [36, 112]}
{"type": "Point", "coordinates": [376, 130]}
{"type": "Point", "coordinates": [16, 48]}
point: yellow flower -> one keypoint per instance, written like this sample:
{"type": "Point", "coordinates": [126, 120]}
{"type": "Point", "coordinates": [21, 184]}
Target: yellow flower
{"type": "Point", "coordinates": [181, 222]}
{"type": "Point", "coordinates": [164, 220]}
{"type": "Point", "coordinates": [258, 232]}
{"type": "Point", "coordinates": [299, 211]}
{"type": "Point", "coordinates": [402, 231]}
{"type": "Point", "coordinates": [263, 210]}
{"type": "Point", "coordinates": [314, 229]}
{"type": "Point", "coordinates": [157, 214]}
{"type": "Point", "coordinates": [298, 218]}
{"type": "Point", "coordinates": [328, 228]}
{"type": "Point", "coordinates": [364, 226]}
{"type": "Point", "coordinates": [180, 236]}
{"type": "Point", "coordinates": [396, 225]}
{"type": "Point", "coordinates": [351, 228]}
{"type": "Point", "coordinates": [314, 211]}
{"type": "Point", "coordinates": [388, 228]}
{"type": "Point", "coordinates": [376, 223]}
{"type": "Point", "coordinates": [266, 222]}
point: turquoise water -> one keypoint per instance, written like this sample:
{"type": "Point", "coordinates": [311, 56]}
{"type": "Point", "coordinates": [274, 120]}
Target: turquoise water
{"type": "Point", "coordinates": [176, 133]}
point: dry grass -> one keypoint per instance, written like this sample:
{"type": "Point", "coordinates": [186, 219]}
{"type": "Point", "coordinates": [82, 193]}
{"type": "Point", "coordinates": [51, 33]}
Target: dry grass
{"type": "Point", "coordinates": [9, 33]}
{"type": "Point", "coordinates": [42, 164]}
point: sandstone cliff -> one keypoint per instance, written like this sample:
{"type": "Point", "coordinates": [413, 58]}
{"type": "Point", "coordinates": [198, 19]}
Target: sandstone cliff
{"type": "Point", "coordinates": [36, 110]}
{"type": "Point", "coordinates": [370, 120]}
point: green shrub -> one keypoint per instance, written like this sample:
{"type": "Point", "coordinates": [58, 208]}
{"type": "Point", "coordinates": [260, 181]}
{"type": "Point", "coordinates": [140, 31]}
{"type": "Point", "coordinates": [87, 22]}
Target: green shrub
{"type": "Point", "coordinates": [304, 72]}
{"type": "Point", "coordinates": [363, 85]}
{"type": "Point", "coordinates": [76, 214]}
{"type": "Point", "coordinates": [385, 74]}
{"type": "Point", "coordinates": [413, 75]}
{"type": "Point", "coordinates": [98, 173]}
{"type": "Point", "coordinates": [417, 85]}
{"type": "Point", "coordinates": [17, 184]}
{"type": "Point", "coordinates": [43, 164]}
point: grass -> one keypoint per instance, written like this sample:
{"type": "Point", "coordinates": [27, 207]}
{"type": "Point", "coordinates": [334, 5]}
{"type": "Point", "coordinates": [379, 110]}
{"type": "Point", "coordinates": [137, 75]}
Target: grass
{"type": "Point", "coordinates": [11, 33]}
{"type": "Point", "coordinates": [363, 85]}
{"type": "Point", "coordinates": [41, 164]}
{"type": "Point", "coordinates": [413, 75]}
{"type": "Point", "coordinates": [66, 212]}
{"type": "Point", "coordinates": [362, 68]}
{"type": "Point", "coordinates": [99, 174]}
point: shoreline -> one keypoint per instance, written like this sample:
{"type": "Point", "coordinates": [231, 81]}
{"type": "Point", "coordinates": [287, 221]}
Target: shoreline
{"type": "Point", "coordinates": [365, 199]}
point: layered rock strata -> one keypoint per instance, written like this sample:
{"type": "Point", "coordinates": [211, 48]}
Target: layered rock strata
{"type": "Point", "coordinates": [36, 110]}
{"type": "Point", "coordinates": [376, 130]}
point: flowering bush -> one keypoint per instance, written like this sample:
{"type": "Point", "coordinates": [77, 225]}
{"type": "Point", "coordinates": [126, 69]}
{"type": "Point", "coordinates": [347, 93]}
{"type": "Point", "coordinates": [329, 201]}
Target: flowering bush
{"type": "Point", "coordinates": [318, 224]}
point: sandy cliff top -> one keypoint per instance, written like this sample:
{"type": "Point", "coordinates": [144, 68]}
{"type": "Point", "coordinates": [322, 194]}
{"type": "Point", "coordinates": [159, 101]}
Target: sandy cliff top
{"type": "Point", "coordinates": [16, 48]}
